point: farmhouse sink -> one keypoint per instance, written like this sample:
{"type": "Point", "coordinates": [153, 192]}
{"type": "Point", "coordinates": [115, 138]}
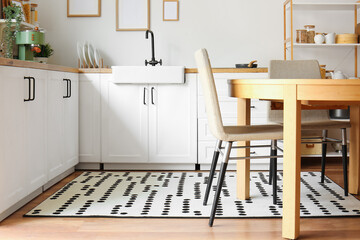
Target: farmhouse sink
{"type": "Point", "coordinates": [148, 74]}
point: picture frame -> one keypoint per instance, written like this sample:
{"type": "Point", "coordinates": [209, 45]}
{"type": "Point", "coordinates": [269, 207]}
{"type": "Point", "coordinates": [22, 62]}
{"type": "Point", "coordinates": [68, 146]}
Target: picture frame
{"type": "Point", "coordinates": [19, 4]}
{"type": "Point", "coordinates": [132, 15]}
{"type": "Point", "coordinates": [83, 8]}
{"type": "Point", "coordinates": [170, 10]}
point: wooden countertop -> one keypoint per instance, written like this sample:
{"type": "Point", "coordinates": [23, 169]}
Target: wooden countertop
{"type": "Point", "coordinates": [35, 65]}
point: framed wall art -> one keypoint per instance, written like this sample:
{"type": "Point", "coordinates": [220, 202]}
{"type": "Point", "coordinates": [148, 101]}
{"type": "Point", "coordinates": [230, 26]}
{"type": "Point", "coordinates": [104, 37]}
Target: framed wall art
{"type": "Point", "coordinates": [132, 15]}
{"type": "Point", "coordinates": [171, 10]}
{"type": "Point", "coordinates": [83, 8]}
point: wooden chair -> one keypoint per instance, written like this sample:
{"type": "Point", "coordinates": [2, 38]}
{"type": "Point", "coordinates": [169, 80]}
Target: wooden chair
{"type": "Point", "coordinates": [228, 134]}
{"type": "Point", "coordinates": [310, 69]}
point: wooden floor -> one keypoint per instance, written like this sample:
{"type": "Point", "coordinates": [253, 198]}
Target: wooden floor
{"type": "Point", "coordinates": [17, 227]}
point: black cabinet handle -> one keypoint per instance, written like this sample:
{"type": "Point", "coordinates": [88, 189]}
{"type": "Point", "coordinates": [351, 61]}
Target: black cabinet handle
{"type": "Point", "coordinates": [69, 81]}
{"type": "Point", "coordinates": [252, 106]}
{"type": "Point", "coordinates": [33, 98]}
{"type": "Point", "coordinates": [29, 81]}
{"type": "Point", "coordinates": [152, 96]}
{"type": "Point", "coordinates": [252, 152]}
{"type": "Point", "coordinates": [144, 96]}
{"type": "Point", "coordinates": [68, 88]}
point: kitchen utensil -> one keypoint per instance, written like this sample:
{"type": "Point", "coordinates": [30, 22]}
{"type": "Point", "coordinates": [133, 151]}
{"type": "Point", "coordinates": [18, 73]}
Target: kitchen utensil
{"type": "Point", "coordinates": [330, 38]}
{"type": "Point", "coordinates": [319, 39]}
{"type": "Point", "coordinates": [252, 64]}
{"type": "Point", "coordinates": [346, 38]}
{"type": "Point", "coordinates": [338, 75]}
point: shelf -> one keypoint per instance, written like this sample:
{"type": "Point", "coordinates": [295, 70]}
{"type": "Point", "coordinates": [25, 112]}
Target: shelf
{"type": "Point", "coordinates": [324, 4]}
{"type": "Point", "coordinates": [23, 25]}
{"type": "Point", "coordinates": [325, 45]}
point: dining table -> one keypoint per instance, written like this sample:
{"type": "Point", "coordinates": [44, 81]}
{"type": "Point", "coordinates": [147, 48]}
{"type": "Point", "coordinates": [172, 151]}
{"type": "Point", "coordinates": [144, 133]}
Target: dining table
{"type": "Point", "coordinates": [294, 93]}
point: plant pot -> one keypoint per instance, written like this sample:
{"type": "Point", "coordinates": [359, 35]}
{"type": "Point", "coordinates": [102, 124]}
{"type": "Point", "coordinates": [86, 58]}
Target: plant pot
{"type": "Point", "coordinates": [41, 59]}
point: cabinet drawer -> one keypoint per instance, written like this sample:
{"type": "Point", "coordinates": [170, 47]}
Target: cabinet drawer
{"type": "Point", "coordinates": [259, 109]}
{"type": "Point", "coordinates": [228, 107]}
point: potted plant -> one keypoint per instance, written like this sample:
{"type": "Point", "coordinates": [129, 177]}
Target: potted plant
{"type": "Point", "coordinates": [11, 12]}
{"type": "Point", "coordinates": [44, 54]}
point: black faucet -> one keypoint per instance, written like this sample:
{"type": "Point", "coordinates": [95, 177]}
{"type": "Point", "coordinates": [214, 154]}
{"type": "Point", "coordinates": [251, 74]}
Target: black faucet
{"type": "Point", "coordinates": [152, 62]}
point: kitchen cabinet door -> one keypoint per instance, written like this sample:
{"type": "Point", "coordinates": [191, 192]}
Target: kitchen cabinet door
{"type": "Point", "coordinates": [172, 123]}
{"type": "Point", "coordinates": [56, 90]}
{"type": "Point", "coordinates": [89, 118]}
{"type": "Point", "coordinates": [13, 90]}
{"type": "Point", "coordinates": [71, 122]}
{"type": "Point", "coordinates": [35, 133]}
{"type": "Point", "coordinates": [124, 124]}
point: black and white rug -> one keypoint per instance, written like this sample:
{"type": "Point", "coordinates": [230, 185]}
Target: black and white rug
{"type": "Point", "coordinates": [180, 195]}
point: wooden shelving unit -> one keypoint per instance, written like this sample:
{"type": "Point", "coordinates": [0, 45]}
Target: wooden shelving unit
{"type": "Point", "coordinates": [289, 43]}
{"type": "Point", "coordinates": [23, 26]}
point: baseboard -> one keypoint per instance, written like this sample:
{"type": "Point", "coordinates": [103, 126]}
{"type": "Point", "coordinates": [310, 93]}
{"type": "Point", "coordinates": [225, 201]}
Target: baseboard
{"type": "Point", "coordinates": [88, 166]}
{"type": "Point", "coordinates": [148, 166]}
{"type": "Point", "coordinates": [20, 204]}
{"type": "Point", "coordinates": [58, 178]}
{"type": "Point", "coordinates": [253, 166]}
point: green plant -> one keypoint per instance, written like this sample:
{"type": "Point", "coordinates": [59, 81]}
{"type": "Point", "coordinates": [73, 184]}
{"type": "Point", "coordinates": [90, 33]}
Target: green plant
{"type": "Point", "coordinates": [46, 51]}
{"type": "Point", "coordinates": [11, 12]}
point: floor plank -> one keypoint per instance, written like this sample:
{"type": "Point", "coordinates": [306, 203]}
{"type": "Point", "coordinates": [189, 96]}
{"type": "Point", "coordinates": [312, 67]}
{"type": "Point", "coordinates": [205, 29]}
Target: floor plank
{"type": "Point", "coordinates": [18, 227]}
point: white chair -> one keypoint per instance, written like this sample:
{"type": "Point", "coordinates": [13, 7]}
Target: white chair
{"type": "Point", "coordinates": [228, 134]}
{"type": "Point", "coordinates": [310, 69]}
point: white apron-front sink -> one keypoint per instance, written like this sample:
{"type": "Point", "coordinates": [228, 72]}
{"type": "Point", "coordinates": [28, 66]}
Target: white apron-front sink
{"type": "Point", "coordinates": [148, 74]}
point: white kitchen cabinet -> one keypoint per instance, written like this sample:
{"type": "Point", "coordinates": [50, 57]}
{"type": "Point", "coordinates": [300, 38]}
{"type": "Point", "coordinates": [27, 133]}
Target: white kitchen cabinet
{"type": "Point", "coordinates": [124, 122]}
{"type": "Point", "coordinates": [35, 132]}
{"type": "Point", "coordinates": [71, 122]}
{"type": "Point", "coordinates": [62, 125]}
{"type": "Point", "coordinates": [89, 118]}
{"type": "Point", "coordinates": [172, 125]}
{"type": "Point", "coordinates": [12, 138]}
{"type": "Point", "coordinates": [148, 123]}
{"type": "Point", "coordinates": [22, 138]}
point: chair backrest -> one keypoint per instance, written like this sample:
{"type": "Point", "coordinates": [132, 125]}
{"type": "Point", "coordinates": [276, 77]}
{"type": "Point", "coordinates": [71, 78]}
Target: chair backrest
{"type": "Point", "coordinates": [209, 91]}
{"type": "Point", "coordinates": [294, 69]}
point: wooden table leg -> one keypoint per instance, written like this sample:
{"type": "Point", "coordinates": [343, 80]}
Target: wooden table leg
{"type": "Point", "coordinates": [243, 166]}
{"type": "Point", "coordinates": [354, 160]}
{"type": "Point", "coordinates": [292, 163]}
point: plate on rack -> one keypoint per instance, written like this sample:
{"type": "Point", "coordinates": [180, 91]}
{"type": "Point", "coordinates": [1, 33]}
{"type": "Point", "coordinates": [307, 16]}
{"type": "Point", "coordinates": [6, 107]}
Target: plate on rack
{"type": "Point", "coordinates": [91, 54]}
{"type": "Point", "coordinates": [97, 57]}
{"type": "Point", "coordinates": [85, 55]}
{"type": "Point", "coordinates": [79, 47]}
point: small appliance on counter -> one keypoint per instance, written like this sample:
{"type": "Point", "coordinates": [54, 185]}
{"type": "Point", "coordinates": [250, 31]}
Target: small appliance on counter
{"type": "Point", "coordinates": [29, 41]}
{"type": "Point", "coordinates": [252, 64]}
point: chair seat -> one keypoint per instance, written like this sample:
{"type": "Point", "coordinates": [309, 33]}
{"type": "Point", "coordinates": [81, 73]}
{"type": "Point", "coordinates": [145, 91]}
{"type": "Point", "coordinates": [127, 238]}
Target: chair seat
{"type": "Point", "coordinates": [324, 125]}
{"type": "Point", "coordinates": [252, 132]}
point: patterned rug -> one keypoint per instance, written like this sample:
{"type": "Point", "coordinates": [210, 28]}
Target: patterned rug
{"type": "Point", "coordinates": [180, 194]}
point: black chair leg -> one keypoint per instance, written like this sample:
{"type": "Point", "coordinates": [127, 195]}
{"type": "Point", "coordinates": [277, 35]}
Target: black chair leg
{"type": "Point", "coordinates": [323, 155]}
{"type": "Point", "coordinates": [344, 160]}
{"type": "Point", "coordinates": [274, 169]}
{"type": "Point", "coordinates": [212, 171]}
{"type": "Point", "coordinates": [271, 167]}
{"type": "Point", "coordinates": [220, 182]}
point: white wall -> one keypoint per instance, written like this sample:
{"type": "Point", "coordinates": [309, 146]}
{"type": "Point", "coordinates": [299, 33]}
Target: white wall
{"type": "Point", "coordinates": [233, 31]}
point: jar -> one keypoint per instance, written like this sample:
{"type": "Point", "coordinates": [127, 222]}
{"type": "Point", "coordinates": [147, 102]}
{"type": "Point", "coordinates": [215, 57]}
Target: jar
{"type": "Point", "coordinates": [301, 36]}
{"type": "Point", "coordinates": [26, 7]}
{"type": "Point", "coordinates": [310, 31]}
{"type": "Point", "coordinates": [34, 13]}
